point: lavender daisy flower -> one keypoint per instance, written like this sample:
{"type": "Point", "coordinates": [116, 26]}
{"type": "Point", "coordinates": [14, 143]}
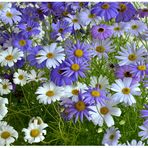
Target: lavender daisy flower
{"type": "Point", "coordinates": [79, 51]}
{"type": "Point", "coordinates": [143, 12]}
{"type": "Point", "coordinates": [139, 69]}
{"type": "Point", "coordinates": [106, 10]}
{"type": "Point", "coordinates": [111, 136]}
{"type": "Point", "coordinates": [95, 95]}
{"type": "Point", "coordinates": [143, 133]}
{"type": "Point", "coordinates": [79, 108]}
{"type": "Point", "coordinates": [33, 54]}
{"type": "Point", "coordinates": [126, 12]}
{"type": "Point", "coordinates": [58, 78]}
{"type": "Point", "coordinates": [74, 68]}
{"type": "Point", "coordinates": [101, 32]}
{"type": "Point", "coordinates": [144, 114]}
{"type": "Point", "coordinates": [46, 7]}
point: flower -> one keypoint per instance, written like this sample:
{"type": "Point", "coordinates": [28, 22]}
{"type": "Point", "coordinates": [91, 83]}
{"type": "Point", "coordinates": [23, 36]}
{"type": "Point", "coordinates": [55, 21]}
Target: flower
{"type": "Point", "coordinates": [79, 51]}
{"type": "Point", "coordinates": [125, 90]}
{"type": "Point", "coordinates": [3, 108]}
{"type": "Point", "coordinates": [35, 132]}
{"type": "Point", "coordinates": [102, 48]}
{"type": "Point", "coordinates": [105, 112]}
{"type": "Point", "coordinates": [143, 134]}
{"type": "Point", "coordinates": [10, 16]}
{"type": "Point", "coordinates": [143, 12]}
{"type": "Point", "coordinates": [135, 27]}
{"type": "Point", "coordinates": [4, 6]}
{"type": "Point", "coordinates": [126, 12]}
{"type": "Point", "coordinates": [49, 93]}
{"type": "Point", "coordinates": [144, 114]}
{"type": "Point", "coordinates": [10, 56]}
{"type": "Point", "coordinates": [135, 143]}
{"type": "Point", "coordinates": [101, 32]}
{"type": "Point", "coordinates": [130, 55]}
{"type": "Point", "coordinates": [101, 82]}
{"type": "Point", "coordinates": [106, 10]}
{"type": "Point", "coordinates": [52, 54]}
{"type": "Point", "coordinates": [5, 86]}
{"type": "Point", "coordinates": [7, 134]}
{"type": "Point", "coordinates": [20, 77]}
{"type": "Point", "coordinates": [111, 136]}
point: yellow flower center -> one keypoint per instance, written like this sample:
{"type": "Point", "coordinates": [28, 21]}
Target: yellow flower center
{"type": "Point", "coordinates": [29, 28]}
{"type": "Point", "coordinates": [117, 28]}
{"type": "Point", "coordinates": [122, 7]}
{"type": "Point", "coordinates": [5, 134]}
{"type": "Point", "coordinates": [49, 5]}
{"type": "Point", "coordinates": [134, 27]}
{"type": "Point", "coordinates": [1, 6]}
{"type": "Point", "coordinates": [22, 42]}
{"type": "Point", "coordinates": [50, 93]}
{"type": "Point", "coordinates": [132, 57]}
{"type": "Point", "coordinates": [100, 30]}
{"type": "Point", "coordinates": [142, 67]}
{"type": "Point", "coordinates": [35, 132]}
{"type": "Point", "coordinates": [50, 55]}
{"type": "Point", "coordinates": [75, 20]}
{"type": "Point", "coordinates": [91, 15]}
{"type": "Point", "coordinates": [9, 57]}
{"type": "Point", "coordinates": [111, 137]}
{"type": "Point", "coordinates": [105, 6]}
{"type": "Point", "coordinates": [80, 105]}
{"type": "Point", "coordinates": [8, 14]}
{"type": "Point", "coordinates": [65, 13]}
{"type": "Point", "coordinates": [78, 53]}
{"type": "Point", "coordinates": [4, 86]}
{"type": "Point", "coordinates": [21, 77]}
{"type": "Point", "coordinates": [95, 93]}
{"type": "Point", "coordinates": [75, 67]}
{"type": "Point", "coordinates": [61, 30]}
{"type": "Point", "coordinates": [75, 91]}
{"type": "Point", "coordinates": [104, 110]}
{"type": "Point", "coordinates": [100, 49]}
{"type": "Point", "coordinates": [126, 90]}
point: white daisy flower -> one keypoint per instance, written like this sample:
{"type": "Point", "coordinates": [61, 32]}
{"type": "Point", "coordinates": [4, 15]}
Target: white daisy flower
{"type": "Point", "coordinates": [135, 143]}
{"type": "Point", "coordinates": [144, 132]}
{"type": "Point", "coordinates": [111, 137]}
{"type": "Point", "coordinates": [125, 90]}
{"type": "Point", "coordinates": [34, 76]}
{"type": "Point", "coordinates": [49, 93]}
{"type": "Point", "coordinates": [101, 48]}
{"type": "Point", "coordinates": [20, 77]}
{"type": "Point", "coordinates": [3, 108]}
{"type": "Point", "coordinates": [5, 87]}
{"type": "Point", "coordinates": [73, 21]}
{"type": "Point", "coordinates": [52, 54]}
{"type": "Point", "coordinates": [10, 56]}
{"type": "Point", "coordinates": [131, 54]}
{"type": "Point", "coordinates": [7, 134]}
{"type": "Point", "coordinates": [135, 27]}
{"type": "Point", "coordinates": [101, 82]}
{"type": "Point", "coordinates": [35, 132]}
{"type": "Point", "coordinates": [4, 6]}
{"type": "Point", "coordinates": [104, 113]}
{"type": "Point", "coordinates": [85, 17]}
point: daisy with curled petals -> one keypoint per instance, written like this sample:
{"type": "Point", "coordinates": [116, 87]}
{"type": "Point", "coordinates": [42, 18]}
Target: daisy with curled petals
{"type": "Point", "coordinates": [125, 90]}
{"type": "Point", "coordinates": [131, 54]}
{"type": "Point", "coordinates": [52, 54]}
{"type": "Point", "coordinates": [7, 134]}
{"type": "Point", "coordinates": [35, 132]}
{"type": "Point", "coordinates": [3, 108]}
{"type": "Point", "coordinates": [104, 113]}
{"type": "Point", "coordinates": [49, 93]}
{"type": "Point", "coordinates": [20, 77]}
{"type": "Point", "coordinates": [10, 56]}
{"type": "Point", "coordinates": [5, 86]}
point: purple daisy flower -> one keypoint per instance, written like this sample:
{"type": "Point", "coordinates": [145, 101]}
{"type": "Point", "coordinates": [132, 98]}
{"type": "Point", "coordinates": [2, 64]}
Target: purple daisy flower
{"type": "Point", "coordinates": [79, 51]}
{"type": "Point", "coordinates": [58, 78]}
{"type": "Point", "coordinates": [126, 12]}
{"type": "Point", "coordinates": [75, 68]}
{"type": "Point", "coordinates": [101, 32]}
{"type": "Point", "coordinates": [143, 12]}
{"type": "Point", "coordinates": [106, 10]}
{"type": "Point", "coordinates": [46, 7]}
{"type": "Point", "coordinates": [95, 95]}
{"type": "Point", "coordinates": [33, 53]}
{"type": "Point", "coordinates": [79, 108]}
{"type": "Point", "coordinates": [144, 114]}
{"type": "Point", "coordinates": [21, 42]}
{"type": "Point", "coordinates": [140, 69]}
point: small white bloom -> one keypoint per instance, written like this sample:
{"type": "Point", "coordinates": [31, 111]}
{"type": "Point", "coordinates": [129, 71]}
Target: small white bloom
{"type": "Point", "coordinates": [5, 87]}
{"type": "Point", "coordinates": [52, 54]}
{"type": "Point", "coordinates": [49, 93]}
{"type": "Point", "coordinates": [10, 56]}
{"type": "Point", "coordinates": [3, 108]}
{"type": "Point", "coordinates": [35, 132]}
{"type": "Point", "coordinates": [20, 77]}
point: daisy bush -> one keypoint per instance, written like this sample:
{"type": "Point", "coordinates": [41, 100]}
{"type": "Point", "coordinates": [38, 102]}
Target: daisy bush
{"type": "Point", "coordinates": [74, 73]}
